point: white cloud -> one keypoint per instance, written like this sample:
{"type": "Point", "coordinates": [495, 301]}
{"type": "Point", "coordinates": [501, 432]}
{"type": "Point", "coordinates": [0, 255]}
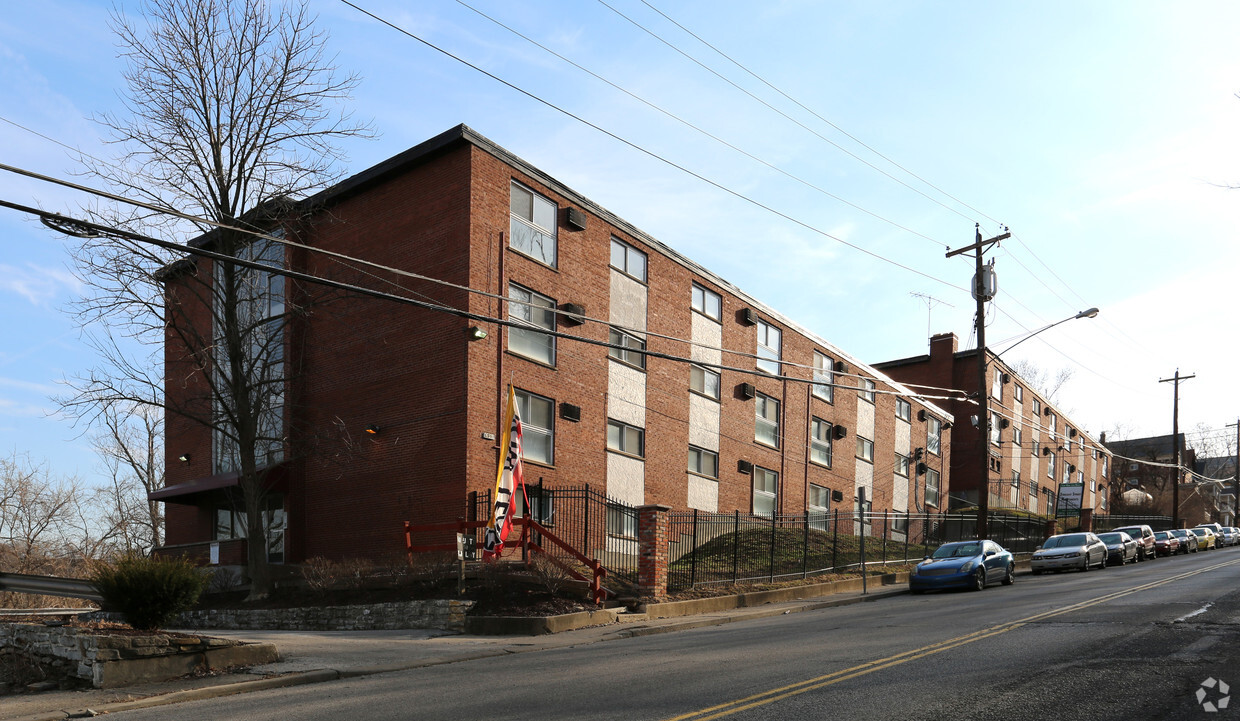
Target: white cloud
{"type": "Point", "coordinates": [39, 285]}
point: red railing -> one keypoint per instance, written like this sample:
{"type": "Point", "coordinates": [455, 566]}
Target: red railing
{"type": "Point", "coordinates": [527, 545]}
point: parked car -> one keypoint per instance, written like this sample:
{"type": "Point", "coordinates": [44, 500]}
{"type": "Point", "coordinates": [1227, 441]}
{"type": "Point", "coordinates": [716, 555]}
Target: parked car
{"type": "Point", "coordinates": [1229, 537]}
{"type": "Point", "coordinates": [1144, 536]}
{"type": "Point", "coordinates": [1205, 538]}
{"type": "Point", "coordinates": [1189, 543]}
{"type": "Point", "coordinates": [1121, 548]}
{"type": "Point", "coordinates": [1069, 550]}
{"type": "Point", "coordinates": [1166, 543]}
{"type": "Point", "coordinates": [1217, 528]}
{"type": "Point", "coordinates": [965, 564]}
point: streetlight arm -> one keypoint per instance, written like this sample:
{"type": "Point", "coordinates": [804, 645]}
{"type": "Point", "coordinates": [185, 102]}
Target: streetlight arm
{"type": "Point", "coordinates": [1090, 313]}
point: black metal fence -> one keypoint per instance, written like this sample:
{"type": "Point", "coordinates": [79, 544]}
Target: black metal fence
{"type": "Point", "coordinates": [1158, 523]}
{"type": "Point", "coordinates": [711, 548]}
{"type": "Point", "coordinates": [582, 517]}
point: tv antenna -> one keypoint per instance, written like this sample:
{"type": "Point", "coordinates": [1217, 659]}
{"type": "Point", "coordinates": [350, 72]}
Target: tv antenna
{"type": "Point", "coordinates": [930, 302]}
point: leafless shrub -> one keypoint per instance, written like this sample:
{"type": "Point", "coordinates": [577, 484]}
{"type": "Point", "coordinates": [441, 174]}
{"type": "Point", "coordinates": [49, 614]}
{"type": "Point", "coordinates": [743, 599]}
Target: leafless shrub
{"type": "Point", "coordinates": [550, 574]}
{"type": "Point", "coordinates": [319, 573]}
{"type": "Point", "coordinates": [356, 573]}
{"type": "Point", "coordinates": [224, 580]}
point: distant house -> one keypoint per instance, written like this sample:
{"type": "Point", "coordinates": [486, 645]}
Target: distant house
{"type": "Point", "coordinates": [1032, 450]}
{"type": "Point", "coordinates": [637, 372]}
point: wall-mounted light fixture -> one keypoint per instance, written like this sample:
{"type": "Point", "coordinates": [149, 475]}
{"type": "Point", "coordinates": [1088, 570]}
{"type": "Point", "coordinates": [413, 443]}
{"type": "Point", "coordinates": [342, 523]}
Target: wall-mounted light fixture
{"type": "Point", "coordinates": [474, 332]}
{"type": "Point", "coordinates": [372, 430]}
{"type": "Point", "coordinates": [184, 458]}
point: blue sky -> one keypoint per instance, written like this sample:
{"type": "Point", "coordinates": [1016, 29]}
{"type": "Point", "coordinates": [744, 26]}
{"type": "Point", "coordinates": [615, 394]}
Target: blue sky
{"type": "Point", "coordinates": [1100, 133]}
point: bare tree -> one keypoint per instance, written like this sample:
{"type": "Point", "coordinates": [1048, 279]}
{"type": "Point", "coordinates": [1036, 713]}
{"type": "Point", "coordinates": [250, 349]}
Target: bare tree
{"type": "Point", "coordinates": [229, 115]}
{"type": "Point", "coordinates": [1045, 383]}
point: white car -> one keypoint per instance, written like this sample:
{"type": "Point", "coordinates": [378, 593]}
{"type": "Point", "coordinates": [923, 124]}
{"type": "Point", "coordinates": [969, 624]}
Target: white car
{"type": "Point", "coordinates": [1069, 550]}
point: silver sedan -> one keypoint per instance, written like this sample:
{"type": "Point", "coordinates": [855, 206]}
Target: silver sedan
{"type": "Point", "coordinates": [1069, 550]}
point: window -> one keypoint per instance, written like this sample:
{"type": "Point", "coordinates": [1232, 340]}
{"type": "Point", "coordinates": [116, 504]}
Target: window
{"type": "Point", "coordinates": [1080, 478]}
{"type": "Point", "coordinates": [932, 487]}
{"type": "Point", "coordinates": [865, 449]}
{"type": "Point", "coordinates": [707, 302]}
{"type": "Point", "coordinates": [994, 429]}
{"type": "Point", "coordinates": [1102, 499]}
{"type": "Point", "coordinates": [901, 465]}
{"type": "Point", "coordinates": [1019, 392]}
{"type": "Point", "coordinates": [535, 311]}
{"type": "Point", "coordinates": [704, 381]}
{"type": "Point", "coordinates": [765, 489]}
{"type": "Point", "coordinates": [628, 260]}
{"type": "Point", "coordinates": [899, 524]}
{"type": "Point", "coordinates": [1033, 488]}
{"type": "Point", "coordinates": [996, 385]}
{"type": "Point", "coordinates": [1050, 465]}
{"type": "Point", "coordinates": [1015, 479]}
{"type": "Point", "coordinates": [621, 520]}
{"type": "Point", "coordinates": [933, 428]}
{"type": "Point", "coordinates": [231, 523]}
{"type": "Point", "coordinates": [766, 425]}
{"type": "Point", "coordinates": [703, 462]}
{"type": "Point", "coordinates": [1093, 485]}
{"type": "Point", "coordinates": [631, 350]}
{"type": "Point", "coordinates": [626, 439]}
{"type": "Point", "coordinates": [541, 504]}
{"type": "Point", "coordinates": [532, 226]}
{"type": "Point", "coordinates": [824, 377]}
{"type": "Point", "coordinates": [1017, 440]}
{"type": "Point", "coordinates": [1067, 441]}
{"type": "Point", "coordinates": [537, 430]}
{"type": "Point", "coordinates": [1053, 423]}
{"type": "Point", "coordinates": [820, 442]}
{"type": "Point", "coordinates": [768, 347]}
{"type": "Point", "coordinates": [259, 335]}
{"type": "Point", "coordinates": [1104, 466]}
{"type": "Point", "coordinates": [904, 410]}
{"type": "Point", "coordinates": [819, 505]}
{"type": "Point", "coordinates": [865, 511]}
{"type": "Point", "coordinates": [867, 390]}
{"type": "Point", "coordinates": [1037, 407]}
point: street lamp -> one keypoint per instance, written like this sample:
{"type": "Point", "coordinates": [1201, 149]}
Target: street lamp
{"type": "Point", "coordinates": [983, 393]}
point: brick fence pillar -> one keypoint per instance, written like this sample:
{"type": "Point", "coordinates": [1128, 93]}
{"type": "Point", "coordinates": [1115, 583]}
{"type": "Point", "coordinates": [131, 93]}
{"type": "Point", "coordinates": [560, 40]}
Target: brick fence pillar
{"type": "Point", "coordinates": [652, 537]}
{"type": "Point", "coordinates": [1052, 527]}
{"type": "Point", "coordinates": [1087, 519]}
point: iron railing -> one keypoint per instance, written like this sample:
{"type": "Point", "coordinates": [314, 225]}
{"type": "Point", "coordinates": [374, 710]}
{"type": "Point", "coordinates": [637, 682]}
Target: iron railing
{"type": "Point", "coordinates": [1158, 523]}
{"type": "Point", "coordinates": [738, 548]}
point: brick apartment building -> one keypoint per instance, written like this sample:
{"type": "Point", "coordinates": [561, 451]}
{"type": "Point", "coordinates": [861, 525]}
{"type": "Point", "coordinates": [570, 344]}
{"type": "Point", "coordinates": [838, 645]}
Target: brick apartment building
{"type": "Point", "coordinates": [392, 411]}
{"type": "Point", "coordinates": [1032, 448]}
{"type": "Point", "coordinates": [1207, 495]}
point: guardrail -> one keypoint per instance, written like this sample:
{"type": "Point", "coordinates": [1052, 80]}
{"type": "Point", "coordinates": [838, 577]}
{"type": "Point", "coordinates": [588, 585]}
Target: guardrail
{"type": "Point", "coordinates": [49, 586]}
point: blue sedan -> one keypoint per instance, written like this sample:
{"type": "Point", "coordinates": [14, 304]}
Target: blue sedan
{"type": "Point", "coordinates": [966, 564]}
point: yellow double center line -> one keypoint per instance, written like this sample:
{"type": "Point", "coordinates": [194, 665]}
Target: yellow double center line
{"type": "Point", "coordinates": [776, 694]}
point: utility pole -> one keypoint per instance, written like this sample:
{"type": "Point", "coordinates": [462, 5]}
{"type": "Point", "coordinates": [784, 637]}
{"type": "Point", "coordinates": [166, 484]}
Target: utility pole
{"type": "Point", "coordinates": [982, 294]}
{"type": "Point", "coordinates": [1175, 445]}
{"type": "Point", "coordinates": [1235, 487]}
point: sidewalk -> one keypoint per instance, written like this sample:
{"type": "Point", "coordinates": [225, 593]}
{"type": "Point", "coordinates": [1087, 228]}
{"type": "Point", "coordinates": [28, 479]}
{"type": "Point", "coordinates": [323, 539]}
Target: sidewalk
{"type": "Point", "coordinates": [312, 657]}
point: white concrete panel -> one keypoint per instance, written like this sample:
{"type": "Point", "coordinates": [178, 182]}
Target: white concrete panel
{"type": "Point", "coordinates": [865, 418]}
{"type": "Point", "coordinates": [707, 336]}
{"type": "Point", "coordinates": [628, 302]}
{"type": "Point", "coordinates": [703, 494]}
{"type": "Point", "coordinates": [899, 491]}
{"type": "Point", "coordinates": [904, 437]}
{"type": "Point", "coordinates": [703, 422]}
{"type": "Point", "coordinates": [626, 479]}
{"type": "Point", "coordinates": [626, 394]}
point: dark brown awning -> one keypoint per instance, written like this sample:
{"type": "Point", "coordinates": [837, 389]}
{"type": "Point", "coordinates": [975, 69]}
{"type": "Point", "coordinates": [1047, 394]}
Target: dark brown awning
{"type": "Point", "coordinates": [198, 485]}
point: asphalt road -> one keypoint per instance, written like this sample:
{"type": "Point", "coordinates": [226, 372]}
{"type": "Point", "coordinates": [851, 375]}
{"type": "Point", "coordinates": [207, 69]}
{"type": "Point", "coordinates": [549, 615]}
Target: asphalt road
{"type": "Point", "coordinates": [1128, 643]}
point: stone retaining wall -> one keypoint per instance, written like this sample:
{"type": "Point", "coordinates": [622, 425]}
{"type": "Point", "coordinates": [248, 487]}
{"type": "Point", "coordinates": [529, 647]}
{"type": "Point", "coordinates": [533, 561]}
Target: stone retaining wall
{"type": "Point", "coordinates": [448, 615]}
{"type": "Point", "coordinates": [106, 660]}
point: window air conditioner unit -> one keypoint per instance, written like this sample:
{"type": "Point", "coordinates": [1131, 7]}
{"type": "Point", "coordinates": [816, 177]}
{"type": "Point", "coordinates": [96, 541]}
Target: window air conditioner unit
{"type": "Point", "coordinates": [921, 414]}
{"type": "Point", "coordinates": [574, 313]}
{"type": "Point", "coordinates": [1072, 433]}
{"type": "Point", "coordinates": [748, 317]}
{"type": "Point", "coordinates": [576, 219]}
{"type": "Point", "coordinates": [837, 496]}
{"type": "Point", "coordinates": [746, 390]}
{"type": "Point", "coordinates": [1006, 378]}
{"type": "Point", "coordinates": [921, 469]}
{"type": "Point", "coordinates": [1046, 451]}
{"type": "Point", "coordinates": [1046, 411]}
{"type": "Point", "coordinates": [840, 366]}
{"type": "Point", "coordinates": [839, 432]}
{"type": "Point", "coordinates": [743, 466]}
{"type": "Point", "coordinates": [1071, 468]}
{"type": "Point", "coordinates": [570, 412]}
{"type": "Point", "coordinates": [1004, 423]}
